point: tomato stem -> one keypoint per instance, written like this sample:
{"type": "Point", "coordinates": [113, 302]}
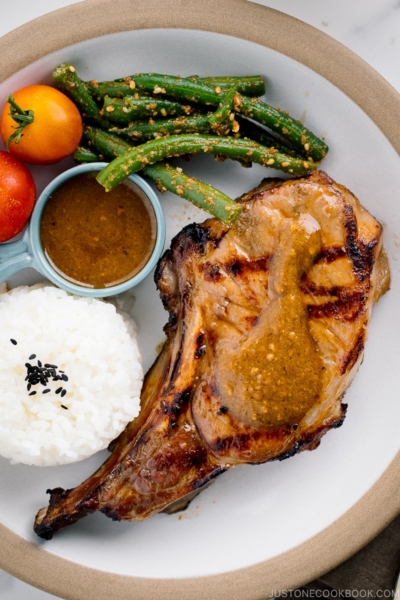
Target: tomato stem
{"type": "Point", "coordinates": [21, 117]}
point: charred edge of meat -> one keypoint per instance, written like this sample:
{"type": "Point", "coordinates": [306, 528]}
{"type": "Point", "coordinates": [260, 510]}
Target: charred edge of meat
{"type": "Point", "coordinates": [46, 530]}
{"type": "Point", "coordinates": [352, 356]}
{"type": "Point", "coordinates": [190, 235]}
{"type": "Point", "coordinates": [200, 345]}
{"type": "Point", "coordinates": [200, 483]}
{"type": "Point", "coordinates": [242, 441]}
{"type": "Point", "coordinates": [161, 265]}
{"type": "Point", "coordinates": [174, 409]}
{"type": "Point", "coordinates": [341, 419]}
{"type": "Point", "coordinates": [313, 440]}
{"type": "Point", "coordinates": [239, 267]}
{"type": "Point", "coordinates": [169, 300]}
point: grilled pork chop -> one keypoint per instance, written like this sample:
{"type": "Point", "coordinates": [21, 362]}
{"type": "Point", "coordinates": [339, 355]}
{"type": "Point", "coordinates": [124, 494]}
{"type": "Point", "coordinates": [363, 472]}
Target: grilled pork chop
{"type": "Point", "coordinates": [267, 324]}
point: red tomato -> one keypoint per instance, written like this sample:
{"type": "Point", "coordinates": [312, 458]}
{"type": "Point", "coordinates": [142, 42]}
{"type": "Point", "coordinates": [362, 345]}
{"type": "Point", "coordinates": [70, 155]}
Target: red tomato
{"type": "Point", "coordinates": [56, 129]}
{"type": "Point", "coordinates": [17, 196]}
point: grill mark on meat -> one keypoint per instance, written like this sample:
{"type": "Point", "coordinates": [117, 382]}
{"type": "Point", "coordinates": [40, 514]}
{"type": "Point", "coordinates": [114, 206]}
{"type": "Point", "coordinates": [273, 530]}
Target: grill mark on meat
{"type": "Point", "coordinates": [329, 255]}
{"type": "Point", "coordinates": [348, 307]}
{"type": "Point", "coordinates": [368, 250]}
{"type": "Point", "coordinates": [353, 250]}
{"type": "Point", "coordinates": [351, 357]}
{"type": "Point", "coordinates": [240, 266]}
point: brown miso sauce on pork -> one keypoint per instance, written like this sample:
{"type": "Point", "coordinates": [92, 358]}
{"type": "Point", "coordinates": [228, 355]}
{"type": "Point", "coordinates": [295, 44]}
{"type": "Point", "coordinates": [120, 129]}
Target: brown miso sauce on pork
{"type": "Point", "coordinates": [96, 238]}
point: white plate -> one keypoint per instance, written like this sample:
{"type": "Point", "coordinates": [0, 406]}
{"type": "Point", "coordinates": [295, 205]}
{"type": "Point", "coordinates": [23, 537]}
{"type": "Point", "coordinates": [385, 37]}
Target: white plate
{"type": "Point", "coordinates": [251, 514]}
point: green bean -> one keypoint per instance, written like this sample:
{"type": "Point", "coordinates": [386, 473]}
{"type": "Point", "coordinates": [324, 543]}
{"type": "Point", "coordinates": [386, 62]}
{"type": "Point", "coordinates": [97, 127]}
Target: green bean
{"type": "Point", "coordinates": [105, 143]}
{"type": "Point", "coordinates": [200, 194]}
{"type": "Point", "coordinates": [147, 131]}
{"type": "Point", "coordinates": [248, 85]}
{"type": "Point", "coordinates": [218, 120]}
{"type": "Point", "coordinates": [167, 177]}
{"type": "Point", "coordinates": [274, 118]}
{"type": "Point", "coordinates": [280, 122]}
{"type": "Point", "coordinates": [68, 81]}
{"type": "Point", "coordinates": [113, 89]}
{"type": "Point", "coordinates": [176, 145]}
{"type": "Point", "coordinates": [254, 132]}
{"type": "Point", "coordinates": [130, 109]}
{"type": "Point", "coordinates": [84, 155]}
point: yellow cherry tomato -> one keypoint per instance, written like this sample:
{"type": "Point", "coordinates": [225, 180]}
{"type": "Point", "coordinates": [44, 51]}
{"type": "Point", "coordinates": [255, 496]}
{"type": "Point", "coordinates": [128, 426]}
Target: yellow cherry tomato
{"type": "Point", "coordinates": [53, 134]}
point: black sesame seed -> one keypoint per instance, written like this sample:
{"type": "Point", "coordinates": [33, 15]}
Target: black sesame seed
{"type": "Point", "coordinates": [64, 378]}
{"type": "Point", "coordinates": [13, 342]}
{"type": "Point", "coordinates": [62, 406]}
{"type": "Point", "coordinates": [29, 386]}
{"type": "Point", "coordinates": [58, 390]}
{"type": "Point", "coordinates": [51, 366]}
{"type": "Point", "coordinates": [39, 363]}
{"type": "Point", "coordinates": [32, 393]}
{"type": "Point", "coordinates": [28, 366]}
{"type": "Point", "coordinates": [46, 391]}
{"type": "Point", "coordinates": [63, 393]}
{"type": "Point", "coordinates": [32, 356]}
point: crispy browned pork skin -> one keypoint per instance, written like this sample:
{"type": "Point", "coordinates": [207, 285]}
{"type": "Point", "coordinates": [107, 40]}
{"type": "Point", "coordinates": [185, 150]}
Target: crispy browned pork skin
{"type": "Point", "coordinates": [267, 324]}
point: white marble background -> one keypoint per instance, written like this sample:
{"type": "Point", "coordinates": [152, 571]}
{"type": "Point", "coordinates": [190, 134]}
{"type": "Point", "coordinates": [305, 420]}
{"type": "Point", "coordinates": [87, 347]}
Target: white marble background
{"type": "Point", "coordinates": [371, 28]}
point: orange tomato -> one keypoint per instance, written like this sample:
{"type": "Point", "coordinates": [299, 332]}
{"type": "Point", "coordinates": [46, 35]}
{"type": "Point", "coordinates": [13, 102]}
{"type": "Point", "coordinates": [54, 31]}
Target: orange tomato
{"type": "Point", "coordinates": [55, 131]}
{"type": "Point", "coordinates": [17, 196]}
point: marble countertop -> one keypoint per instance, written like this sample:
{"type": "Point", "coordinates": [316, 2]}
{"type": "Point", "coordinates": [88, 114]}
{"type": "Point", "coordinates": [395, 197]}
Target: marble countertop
{"type": "Point", "coordinates": [371, 29]}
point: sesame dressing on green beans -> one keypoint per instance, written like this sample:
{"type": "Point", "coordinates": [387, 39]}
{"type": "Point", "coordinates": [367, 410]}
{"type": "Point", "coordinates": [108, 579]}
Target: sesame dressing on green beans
{"type": "Point", "coordinates": [148, 130]}
{"type": "Point", "coordinates": [113, 89]}
{"type": "Point", "coordinates": [67, 81]}
{"type": "Point", "coordinates": [223, 119]}
{"type": "Point", "coordinates": [176, 145]}
{"type": "Point", "coordinates": [130, 109]}
{"type": "Point", "coordinates": [282, 123]}
{"type": "Point", "coordinates": [84, 155]}
{"type": "Point", "coordinates": [274, 118]}
{"type": "Point", "coordinates": [247, 85]}
{"type": "Point", "coordinates": [106, 144]}
{"type": "Point", "coordinates": [167, 177]}
{"type": "Point", "coordinates": [252, 85]}
{"type": "Point", "coordinates": [200, 194]}
{"type": "Point", "coordinates": [253, 131]}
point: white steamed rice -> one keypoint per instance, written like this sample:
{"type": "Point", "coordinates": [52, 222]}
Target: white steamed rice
{"type": "Point", "coordinates": [97, 349]}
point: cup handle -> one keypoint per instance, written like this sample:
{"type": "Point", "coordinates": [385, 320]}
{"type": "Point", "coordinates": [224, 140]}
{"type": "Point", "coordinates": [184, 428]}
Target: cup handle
{"type": "Point", "coordinates": [15, 256]}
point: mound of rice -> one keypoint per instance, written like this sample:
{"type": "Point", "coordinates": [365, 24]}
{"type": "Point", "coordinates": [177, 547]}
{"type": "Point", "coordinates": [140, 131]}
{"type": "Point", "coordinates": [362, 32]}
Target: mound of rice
{"type": "Point", "coordinates": [96, 350]}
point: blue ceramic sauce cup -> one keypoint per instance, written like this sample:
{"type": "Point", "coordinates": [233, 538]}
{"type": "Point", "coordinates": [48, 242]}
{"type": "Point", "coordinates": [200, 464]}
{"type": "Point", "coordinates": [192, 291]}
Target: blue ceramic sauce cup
{"type": "Point", "coordinates": [28, 251]}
